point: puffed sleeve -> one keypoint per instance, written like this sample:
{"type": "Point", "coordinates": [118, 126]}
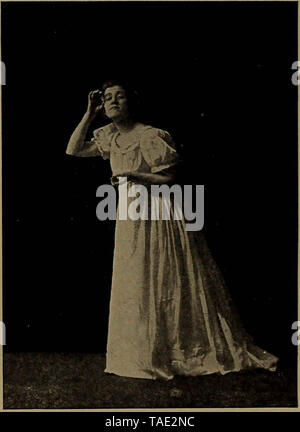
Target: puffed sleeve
{"type": "Point", "coordinates": [102, 138]}
{"type": "Point", "coordinates": [158, 150]}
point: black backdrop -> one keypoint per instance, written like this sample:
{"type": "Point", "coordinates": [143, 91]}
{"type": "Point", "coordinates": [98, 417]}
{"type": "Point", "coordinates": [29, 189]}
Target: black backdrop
{"type": "Point", "coordinates": [217, 76]}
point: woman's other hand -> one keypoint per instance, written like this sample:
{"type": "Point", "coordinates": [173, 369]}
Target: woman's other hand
{"type": "Point", "coordinates": [116, 179]}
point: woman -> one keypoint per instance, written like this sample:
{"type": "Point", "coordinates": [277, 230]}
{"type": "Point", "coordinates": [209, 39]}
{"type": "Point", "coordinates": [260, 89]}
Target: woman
{"type": "Point", "coordinates": [170, 313]}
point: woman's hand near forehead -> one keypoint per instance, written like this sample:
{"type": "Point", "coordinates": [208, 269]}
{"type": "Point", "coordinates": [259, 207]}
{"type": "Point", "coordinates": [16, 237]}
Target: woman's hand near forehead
{"type": "Point", "coordinates": [78, 146]}
{"type": "Point", "coordinates": [95, 102]}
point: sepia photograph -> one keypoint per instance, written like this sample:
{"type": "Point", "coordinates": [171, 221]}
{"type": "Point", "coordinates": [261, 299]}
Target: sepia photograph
{"type": "Point", "coordinates": [149, 205]}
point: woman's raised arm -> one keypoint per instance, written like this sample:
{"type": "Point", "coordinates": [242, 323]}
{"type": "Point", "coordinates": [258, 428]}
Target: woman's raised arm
{"type": "Point", "coordinates": [78, 146]}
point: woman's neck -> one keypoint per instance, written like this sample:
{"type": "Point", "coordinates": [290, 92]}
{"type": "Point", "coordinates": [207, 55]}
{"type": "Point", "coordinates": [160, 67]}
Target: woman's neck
{"type": "Point", "coordinates": [124, 125]}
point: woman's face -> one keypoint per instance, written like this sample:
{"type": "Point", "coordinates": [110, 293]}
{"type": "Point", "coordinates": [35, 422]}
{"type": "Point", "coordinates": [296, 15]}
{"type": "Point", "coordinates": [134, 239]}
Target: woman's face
{"type": "Point", "coordinates": [115, 103]}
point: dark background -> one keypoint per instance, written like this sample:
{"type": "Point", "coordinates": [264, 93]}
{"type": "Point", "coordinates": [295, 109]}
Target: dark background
{"type": "Point", "coordinates": [217, 76]}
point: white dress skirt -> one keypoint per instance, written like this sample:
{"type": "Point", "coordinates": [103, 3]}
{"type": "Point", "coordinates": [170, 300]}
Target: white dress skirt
{"type": "Point", "coordinates": [170, 311]}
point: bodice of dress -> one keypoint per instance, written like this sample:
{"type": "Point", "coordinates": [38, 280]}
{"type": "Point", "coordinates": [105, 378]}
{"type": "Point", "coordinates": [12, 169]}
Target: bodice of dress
{"type": "Point", "coordinates": [151, 149]}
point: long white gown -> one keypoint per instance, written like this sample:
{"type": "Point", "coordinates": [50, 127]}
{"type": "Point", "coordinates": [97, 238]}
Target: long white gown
{"type": "Point", "coordinates": [170, 311]}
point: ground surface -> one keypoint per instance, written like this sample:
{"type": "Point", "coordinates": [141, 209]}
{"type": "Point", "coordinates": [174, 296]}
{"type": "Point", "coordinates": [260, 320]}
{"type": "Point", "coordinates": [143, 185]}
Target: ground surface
{"type": "Point", "coordinates": [43, 380]}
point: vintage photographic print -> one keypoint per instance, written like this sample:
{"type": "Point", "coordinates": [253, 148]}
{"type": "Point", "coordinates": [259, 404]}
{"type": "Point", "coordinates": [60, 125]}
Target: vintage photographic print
{"type": "Point", "coordinates": [149, 171]}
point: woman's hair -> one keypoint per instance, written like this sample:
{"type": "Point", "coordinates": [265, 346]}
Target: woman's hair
{"type": "Point", "coordinates": [132, 95]}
